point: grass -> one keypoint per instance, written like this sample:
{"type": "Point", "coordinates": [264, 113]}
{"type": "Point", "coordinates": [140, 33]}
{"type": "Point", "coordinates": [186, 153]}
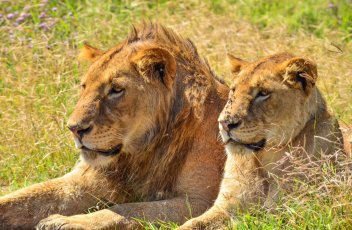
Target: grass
{"type": "Point", "coordinates": [317, 17]}
{"type": "Point", "coordinates": [323, 203]}
{"type": "Point", "coordinates": [39, 76]}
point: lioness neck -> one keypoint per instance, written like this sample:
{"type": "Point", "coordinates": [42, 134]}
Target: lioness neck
{"type": "Point", "coordinates": [320, 134]}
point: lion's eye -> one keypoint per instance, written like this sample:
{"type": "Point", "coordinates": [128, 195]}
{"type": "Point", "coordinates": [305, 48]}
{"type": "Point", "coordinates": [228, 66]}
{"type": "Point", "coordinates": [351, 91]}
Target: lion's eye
{"type": "Point", "coordinates": [114, 93]}
{"type": "Point", "coordinates": [262, 95]}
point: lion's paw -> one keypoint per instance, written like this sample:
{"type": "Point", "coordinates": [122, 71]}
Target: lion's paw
{"type": "Point", "coordinates": [202, 224]}
{"type": "Point", "coordinates": [193, 224]}
{"type": "Point", "coordinates": [59, 222]}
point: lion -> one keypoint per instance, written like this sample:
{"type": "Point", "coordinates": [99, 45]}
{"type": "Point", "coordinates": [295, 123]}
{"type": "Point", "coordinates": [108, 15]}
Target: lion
{"type": "Point", "coordinates": [274, 109]}
{"type": "Point", "coordinates": [146, 126]}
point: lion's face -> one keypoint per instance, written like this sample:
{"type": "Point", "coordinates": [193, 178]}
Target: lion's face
{"type": "Point", "coordinates": [124, 101]}
{"type": "Point", "coordinates": [268, 101]}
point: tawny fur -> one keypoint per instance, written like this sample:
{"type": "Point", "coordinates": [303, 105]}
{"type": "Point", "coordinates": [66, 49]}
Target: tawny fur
{"type": "Point", "coordinates": [171, 163]}
{"type": "Point", "coordinates": [274, 103]}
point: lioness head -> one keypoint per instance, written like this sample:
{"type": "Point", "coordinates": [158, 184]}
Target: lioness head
{"type": "Point", "coordinates": [124, 100]}
{"type": "Point", "coordinates": [269, 102]}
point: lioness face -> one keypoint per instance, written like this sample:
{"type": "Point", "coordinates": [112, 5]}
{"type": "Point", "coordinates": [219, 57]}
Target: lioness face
{"type": "Point", "coordinates": [267, 102]}
{"type": "Point", "coordinates": [124, 99]}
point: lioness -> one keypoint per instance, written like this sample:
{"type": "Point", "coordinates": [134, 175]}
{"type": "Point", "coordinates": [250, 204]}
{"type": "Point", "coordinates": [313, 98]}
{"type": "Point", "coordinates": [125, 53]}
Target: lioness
{"type": "Point", "coordinates": [274, 109]}
{"type": "Point", "coordinates": [146, 125]}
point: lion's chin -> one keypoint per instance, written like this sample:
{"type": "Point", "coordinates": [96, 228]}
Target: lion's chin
{"type": "Point", "coordinates": [96, 159]}
{"type": "Point", "coordinates": [255, 146]}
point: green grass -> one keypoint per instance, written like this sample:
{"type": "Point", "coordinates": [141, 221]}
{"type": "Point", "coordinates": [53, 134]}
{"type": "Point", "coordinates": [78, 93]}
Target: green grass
{"type": "Point", "coordinates": [317, 17]}
{"type": "Point", "coordinates": [39, 76]}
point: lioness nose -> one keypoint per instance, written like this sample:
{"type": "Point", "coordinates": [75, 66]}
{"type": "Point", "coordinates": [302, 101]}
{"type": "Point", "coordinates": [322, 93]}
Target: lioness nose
{"type": "Point", "coordinates": [228, 126]}
{"type": "Point", "coordinates": [78, 130]}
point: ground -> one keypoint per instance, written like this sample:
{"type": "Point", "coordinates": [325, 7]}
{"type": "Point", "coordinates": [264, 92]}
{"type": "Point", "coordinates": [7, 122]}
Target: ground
{"type": "Point", "coordinates": [40, 74]}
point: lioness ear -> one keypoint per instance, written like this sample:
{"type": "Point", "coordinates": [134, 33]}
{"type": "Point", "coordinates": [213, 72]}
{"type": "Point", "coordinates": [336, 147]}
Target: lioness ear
{"type": "Point", "coordinates": [300, 73]}
{"type": "Point", "coordinates": [89, 52]}
{"type": "Point", "coordinates": [237, 64]}
{"type": "Point", "coordinates": [155, 63]}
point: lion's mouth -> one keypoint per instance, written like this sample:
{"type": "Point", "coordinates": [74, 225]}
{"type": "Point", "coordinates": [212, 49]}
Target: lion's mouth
{"type": "Point", "coordinates": [111, 152]}
{"type": "Point", "coordinates": [252, 146]}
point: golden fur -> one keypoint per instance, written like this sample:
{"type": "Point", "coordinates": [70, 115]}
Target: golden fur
{"type": "Point", "coordinates": [274, 110]}
{"type": "Point", "coordinates": [146, 123]}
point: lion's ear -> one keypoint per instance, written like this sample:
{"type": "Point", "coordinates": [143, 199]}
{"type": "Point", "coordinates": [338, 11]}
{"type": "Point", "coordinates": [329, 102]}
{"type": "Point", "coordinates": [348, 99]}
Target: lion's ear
{"type": "Point", "coordinates": [89, 53]}
{"type": "Point", "coordinates": [300, 73]}
{"type": "Point", "coordinates": [155, 63]}
{"type": "Point", "coordinates": [237, 64]}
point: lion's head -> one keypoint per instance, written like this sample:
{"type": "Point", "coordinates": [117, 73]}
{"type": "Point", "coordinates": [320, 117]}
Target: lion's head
{"type": "Point", "coordinates": [139, 98]}
{"type": "Point", "coordinates": [124, 99]}
{"type": "Point", "coordinates": [270, 101]}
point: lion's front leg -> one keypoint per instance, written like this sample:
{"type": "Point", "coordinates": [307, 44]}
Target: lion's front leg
{"type": "Point", "coordinates": [123, 216]}
{"type": "Point", "coordinates": [24, 208]}
{"type": "Point", "coordinates": [104, 219]}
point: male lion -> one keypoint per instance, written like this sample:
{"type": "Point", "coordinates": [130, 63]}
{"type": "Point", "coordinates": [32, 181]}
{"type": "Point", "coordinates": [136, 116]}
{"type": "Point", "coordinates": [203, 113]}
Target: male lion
{"type": "Point", "coordinates": [273, 110]}
{"type": "Point", "coordinates": [146, 125]}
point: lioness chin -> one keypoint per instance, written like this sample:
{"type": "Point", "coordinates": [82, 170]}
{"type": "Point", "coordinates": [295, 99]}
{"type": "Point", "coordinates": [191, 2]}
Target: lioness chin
{"type": "Point", "coordinates": [274, 115]}
{"type": "Point", "coordinates": [146, 125]}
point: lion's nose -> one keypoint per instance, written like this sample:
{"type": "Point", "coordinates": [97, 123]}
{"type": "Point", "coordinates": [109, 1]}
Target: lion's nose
{"type": "Point", "coordinates": [230, 125]}
{"type": "Point", "coordinates": [79, 130]}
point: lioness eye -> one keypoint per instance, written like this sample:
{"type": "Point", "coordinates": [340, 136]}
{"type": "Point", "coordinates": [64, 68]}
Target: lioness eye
{"type": "Point", "coordinates": [262, 95]}
{"type": "Point", "coordinates": [115, 92]}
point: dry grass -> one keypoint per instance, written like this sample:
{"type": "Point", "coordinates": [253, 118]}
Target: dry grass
{"type": "Point", "coordinates": [39, 77]}
{"type": "Point", "coordinates": [215, 35]}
